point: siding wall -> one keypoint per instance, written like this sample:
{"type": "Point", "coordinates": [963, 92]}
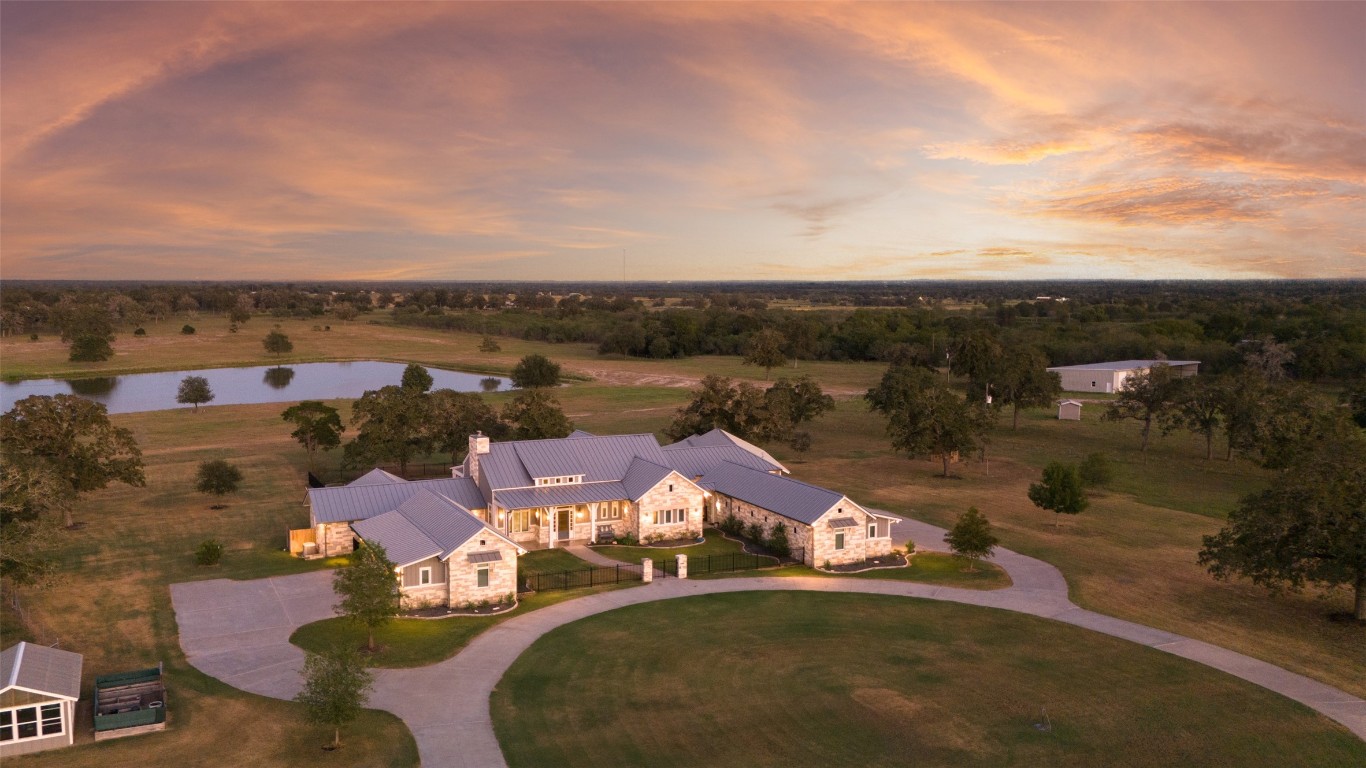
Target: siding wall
{"type": "Point", "coordinates": [55, 741]}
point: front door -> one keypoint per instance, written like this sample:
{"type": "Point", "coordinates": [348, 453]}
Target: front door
{"type": "Point", "coordinates": [562, 523]}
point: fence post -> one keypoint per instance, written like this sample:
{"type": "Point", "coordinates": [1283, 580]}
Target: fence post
{"type": "Point", "coordinates": [647, 570]}
{"type": "Point", "coordinates": [682, 567]}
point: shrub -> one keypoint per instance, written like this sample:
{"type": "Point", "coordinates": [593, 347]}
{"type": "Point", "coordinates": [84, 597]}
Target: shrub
{"type": "Point", "coordinates": [187, 329]}
{"type": "Point", "coordinates": [136, 332]}
{"type": "Point", "coordinates": [1096, 470]}
{"type": "Point", "coordinates": [628, 540]}
{"type": "Point", "coordinates": [777, 541]}
{"type": "Point", "coordinates": [483, 604]}
{"type": "Point", "coordinates": [232, 328]}
{"type": "Point", "coordinates": [90, 349]}
{"type": "Point", "coordinates": [732, 525]}
{"type": "Point", "coordinates": [755, 533]}
{"type": "Point", "coordinates": [34, 336]}
{"type": "Point", "coordinates": [509, 598]}
{"type": "Point", "coordinates": [209, 553]}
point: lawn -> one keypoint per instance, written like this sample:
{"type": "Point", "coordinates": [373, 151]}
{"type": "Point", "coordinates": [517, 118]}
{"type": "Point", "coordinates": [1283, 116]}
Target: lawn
{"type": "Point", "coordinates": [779, 679]}
{"type": "Point", "coordinates": [715, 544]}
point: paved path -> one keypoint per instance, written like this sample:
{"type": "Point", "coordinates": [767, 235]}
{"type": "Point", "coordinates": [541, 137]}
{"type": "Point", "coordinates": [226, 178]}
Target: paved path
{"type": "Point", "coordinates": [239, 632]}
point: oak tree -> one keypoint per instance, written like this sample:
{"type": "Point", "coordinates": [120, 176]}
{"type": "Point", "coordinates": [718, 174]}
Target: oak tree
{"type": "Point", "coordinates": [317, 426]}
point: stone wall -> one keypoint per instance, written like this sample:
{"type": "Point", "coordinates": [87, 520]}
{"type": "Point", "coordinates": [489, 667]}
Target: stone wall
{"type": "Point", "coordinates": [798, 534]}
{"type": "Point", "coordinates": [415, 595]}
{"type": "Point", "coordinates": [684, 495]}
{"type": "Point", "coordinates": [464, 574]}
{"type": "Point", "coordinates": [336, 539]}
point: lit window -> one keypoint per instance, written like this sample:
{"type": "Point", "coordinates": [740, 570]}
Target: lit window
{"type": "Point", "coordinates": [521, 521]}
{"type": "Point", "coordinates": [482, 575]}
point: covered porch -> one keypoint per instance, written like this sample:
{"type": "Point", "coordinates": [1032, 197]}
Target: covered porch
{"type": "Point", "coordinates": [553, 526]}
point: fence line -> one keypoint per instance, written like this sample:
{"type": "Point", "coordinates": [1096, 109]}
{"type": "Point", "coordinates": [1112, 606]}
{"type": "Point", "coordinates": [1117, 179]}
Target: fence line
{"type": "Point", "coordinates": [576, 578]}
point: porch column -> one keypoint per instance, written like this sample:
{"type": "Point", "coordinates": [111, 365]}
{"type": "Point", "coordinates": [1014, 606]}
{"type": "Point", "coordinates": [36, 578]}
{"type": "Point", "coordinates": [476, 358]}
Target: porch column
{"type": "Point", "coordinates": [554, 521]}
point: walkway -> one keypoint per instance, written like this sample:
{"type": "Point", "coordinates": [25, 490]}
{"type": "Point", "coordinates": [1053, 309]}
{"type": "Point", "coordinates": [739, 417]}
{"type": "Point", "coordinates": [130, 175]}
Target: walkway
{"type": "Point", "coordinates": [238, 632]}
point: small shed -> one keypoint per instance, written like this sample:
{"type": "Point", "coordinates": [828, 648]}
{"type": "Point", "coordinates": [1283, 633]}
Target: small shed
{"type": "Point", "coordinates": [1069, 410]}
{"type": "Point", "coordinates": [38, 700]}
{"type": "Point", "coordinates": [129, 703]}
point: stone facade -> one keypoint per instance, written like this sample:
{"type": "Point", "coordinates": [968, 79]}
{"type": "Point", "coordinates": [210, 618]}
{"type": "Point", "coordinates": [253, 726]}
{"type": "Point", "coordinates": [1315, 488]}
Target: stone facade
{"type": "Point", "coordinates": [336, 539]}
{"type": "Point", "coordinates": [798, 535]}
{"type": "Point", "coordinates": [415, 594]}
{"type": "Point", "coordinates": [671, 493]}
{"type": "Point", "coordinates": [818, 540]}
{"type": "Point", "coordinates": [464, 575]}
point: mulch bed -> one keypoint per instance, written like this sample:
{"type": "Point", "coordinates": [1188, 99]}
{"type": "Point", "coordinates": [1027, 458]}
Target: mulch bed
{"type": "Point", "coordinates": [441, 612]}
{"type": "Point", "coordinates": [674, 543]}
{"type": "Point", "coordinates": [885, 561]}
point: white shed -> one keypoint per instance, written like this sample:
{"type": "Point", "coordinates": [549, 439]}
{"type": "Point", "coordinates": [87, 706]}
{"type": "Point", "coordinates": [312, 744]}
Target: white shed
{"type": "Point", "coordinates": [1069, 410]}
{"type": "Point", "coordinates": [1109, 377]}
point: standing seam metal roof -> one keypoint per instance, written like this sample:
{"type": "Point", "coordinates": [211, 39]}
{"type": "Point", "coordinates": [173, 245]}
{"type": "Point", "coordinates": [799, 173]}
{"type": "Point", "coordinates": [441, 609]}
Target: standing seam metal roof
{"type": "Point", "coordinates": [790, 498]}
{"type": "Point", "coordinates": [1121, 365]}
{"type": "Point", "coordinates": [42, 669]}
{"type": "Point", "coordinates": [560, 495]}
{"type": "Point", "coordinates": [695, 461]}
{"type": "Point", "coordinates": [357, 502]}
{"type": "Point", "coordinates": [425, 525]}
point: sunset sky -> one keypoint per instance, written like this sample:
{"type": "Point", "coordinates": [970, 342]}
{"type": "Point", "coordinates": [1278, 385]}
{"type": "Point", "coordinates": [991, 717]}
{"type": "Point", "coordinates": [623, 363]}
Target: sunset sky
{"type": "Point", "coordinates": [713, 141]}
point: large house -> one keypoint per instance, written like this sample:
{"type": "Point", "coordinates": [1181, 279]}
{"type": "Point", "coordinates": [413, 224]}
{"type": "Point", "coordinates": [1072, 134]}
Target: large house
{"type": "Point", "coordinates": [456, 539]}
{"type": "Point", "coordinates": [1109, 377]}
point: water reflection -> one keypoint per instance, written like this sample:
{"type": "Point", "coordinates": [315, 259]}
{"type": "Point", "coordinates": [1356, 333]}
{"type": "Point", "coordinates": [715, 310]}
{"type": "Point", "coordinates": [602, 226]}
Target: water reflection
{"type": "Point", "coordinates": [93, 387]}
{"type": "Point", "coordinates": [490, 384]}
{"type": "Point", "coordinates": [279, 377]}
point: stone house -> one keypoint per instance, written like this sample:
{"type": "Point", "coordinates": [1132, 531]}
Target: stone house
{"type": "Point", "coordinates": [828, 526]}
{"type": "Point", "coordinates": [443, 554]}
{"type": "Point", "coordinates": [39, 687]}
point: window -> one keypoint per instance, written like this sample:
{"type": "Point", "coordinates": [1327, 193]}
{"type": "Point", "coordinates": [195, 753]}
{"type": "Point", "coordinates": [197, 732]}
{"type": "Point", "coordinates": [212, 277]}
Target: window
{"type": "Point", "coordinates": [29, 722]}
{"type": "Point", "coordinates": [482, 577]}
{"type": "Point", "coordinates": [665, 516]}
{"type": "Point", "coordinates": [872, 530]}
{"type": "Point", "coordinates": [521, 520]}
{"type": "Point", "coordinates": [424, 576]}
{"type": "Point", "coordinates": [839, 541]}
{"type": "Point", "coordinates": [610, 510]}
{"type": "Point", "coordinates": [671, 487]}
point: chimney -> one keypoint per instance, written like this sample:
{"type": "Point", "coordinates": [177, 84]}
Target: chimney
{"type": "Point", "coordinates": [479, 445]}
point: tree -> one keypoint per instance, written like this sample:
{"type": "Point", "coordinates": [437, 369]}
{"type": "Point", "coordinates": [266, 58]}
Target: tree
{"type": "Point", "coordinates": [808, 401]}
{"type": "Point", "coordinates": [345, 311]}
{"type": "Point", "coordinates": [1198, 405]}
{"type": "Point", "coordinates": [1060, 490]}
{"type": "Point", "coordinates": [710, 408]}
{"type": "Point", "coordinates": [277, 343]}
{"type": "Point", "coordinates": [976, 355]}
{"type": "Point", "coordinates": [1024, 381]}
{"type": "Point", "coordinates": [925, 417]}
{"type": "Point", "coordinates": [89, 330]}
{"type": "Point", "coordinates": [1095, 470]}
{"type": "Point", "coordinates": [336, 687]}
{"type": "Point", "coordinates": [239, 314]}
{"type": "Point", "coordinates": [194, 390]}
{"type": "Point", "coordinates": [536, 415]}
{"type": "Point", "coordinates": [368, 589]}
{"type": "Point", "coordinates": [489, 344]}
{"type": "Point", "coordinates": [971, 537]}
{"type": "Point", "coordinates": [73, 438]}
{"type": "Point", "coordinates": [217, 478]}
{"type": "Point", "coordinates": [536, 371]}
{"type": "Point", "coordinates": [391, 425]}
{"type": "Point", "coordinates": [1146, 396]}
{"type": "Point", "coordinates": [30, 496]}
{"type": "Point", "coordinates": [1308, 527]}
{"type": "Point", "coordinates": [766, 349]}
{"type": "Point", "coordinates": [457, 415]}
{"type": "Point", "coordinates": [90, 349]}
{"type": "Point", "coordinates": [317, 426]}
{"type": "Point", "coordinates": [416, 379]}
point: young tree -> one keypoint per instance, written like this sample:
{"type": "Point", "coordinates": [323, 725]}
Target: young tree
{"type": "Point", "coordinates": [317, 426]}
{"type": "Point", "coordinates": [536, 371]}
{"type": "Point", "coordinates": [336, 688]}
{"type": "Point", "coordinates": [1095, 470]}
{"type": "Point", "coordinates": [193, 391]}
{"type": "Point", "coordinates": [536, 415]}
{"type": "Point", "coordinates": [1308, 527]}
{"type": "Point", "coordinates": [1024, 381]}
{"type": "Point", "coordinates": [217, 478]}
{"type": "Point", "coordinates": [391, 425]}
{"type": "Point", "coordinates": [766, 349]}
{"type": "Point", "coordinates": [415, 379]}
{"type": "Point", "coordinates": [971, 537]}
{"type": "Point", "coordinates": [489, 344]}
{"type": "Point", "coordinates": [277, 343]}
{"type": "Point", "coordinates": [73, 438]}
{"type": "Point", "coordinates": [925, 417]}
{"type": "Point", "coordinates": [1060, 490]}
{"type": "Point", "coordinates": [368, 589]}
{"type": "Point", "coordinates": [1146, 396]}
{"type": "Point", "coordinates": [456, 416]}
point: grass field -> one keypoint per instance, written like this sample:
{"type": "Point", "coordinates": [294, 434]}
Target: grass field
{"type": "Point", "coordinates": [937, 568]}
{"type": "Point", "coordinates": [779, 679]}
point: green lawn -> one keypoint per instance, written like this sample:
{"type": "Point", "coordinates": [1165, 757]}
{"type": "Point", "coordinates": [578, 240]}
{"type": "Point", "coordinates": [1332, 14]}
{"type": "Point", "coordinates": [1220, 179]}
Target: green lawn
{"type": "Point", "coordinates": [781, 679]}
{"type": "Point", "coordinates": [419, 642]}
{"type": "Point", "coordinates": [545, 560]}
{"type": "Point", "coordinates": [927, 567]}
{"type": "Point", "coordinates": [715, 544]}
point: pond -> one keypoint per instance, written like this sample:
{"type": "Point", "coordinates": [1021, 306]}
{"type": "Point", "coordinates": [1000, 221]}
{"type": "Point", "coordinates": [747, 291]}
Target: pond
{"type": "Point", "coordinates": [239, 386]}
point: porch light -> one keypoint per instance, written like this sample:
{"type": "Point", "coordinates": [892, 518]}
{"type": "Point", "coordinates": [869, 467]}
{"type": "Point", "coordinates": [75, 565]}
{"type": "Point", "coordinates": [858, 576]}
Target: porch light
{"type": "Point", "coordinates": [582, 516]}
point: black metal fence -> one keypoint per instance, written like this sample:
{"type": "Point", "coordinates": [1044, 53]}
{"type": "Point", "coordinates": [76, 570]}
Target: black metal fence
{"type": "Point", "coordinates": [579, 577]}
{"type": "Point", "coordinates": [737, 561]}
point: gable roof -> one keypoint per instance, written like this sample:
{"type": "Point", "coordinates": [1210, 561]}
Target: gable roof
{"type": "Point", "coordinates": [581, 433]}
{"type": "Point", "coordinates": [426, 525]}
{"type": "Point", "coordinates": [790, 498]}
{"type": "Point", "coordinates": [720, 438]}
{"type": "Point", "coordinates": [41, 669]}
{"type": "Point", "coordinates": [377, 476]}
{"type": "Point", "coordinates": [347, 503]}
{"type": "Point", "coordinates": [641, 476]}
{"type": "Point", "coordinates": [695, 461]}
{"type": "Point", "coordinates": [1122, 365]}
{"type": "Point", "coordinates": [598, 458]}
{"type": "Point", "coordinates": [560, 495]}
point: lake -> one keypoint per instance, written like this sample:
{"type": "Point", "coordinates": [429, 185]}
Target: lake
{"type": "Point", "coordinates": [239, 386]}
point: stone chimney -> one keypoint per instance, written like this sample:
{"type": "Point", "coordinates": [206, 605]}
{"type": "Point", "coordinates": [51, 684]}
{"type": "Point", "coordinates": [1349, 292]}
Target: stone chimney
{"type": "Point", "coordinates": [479, 445]}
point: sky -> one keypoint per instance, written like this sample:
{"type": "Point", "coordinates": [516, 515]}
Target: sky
{"type": "Point", "coordinates": [680, 141]}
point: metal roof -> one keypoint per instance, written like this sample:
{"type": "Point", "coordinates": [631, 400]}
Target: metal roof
{"type": "Point", "coordinates": [843, 522]}
{"type": "Point", "coordinates": [581, 433]}
{"type": "Point", "coordinates": [790, 498]}
{"type": "Point", "coordinates": [559, 495]}
{"type": "Point", "coordinates": [358, 502]}
{"type": "Point", "coordinates": [377, 476]}
{"type": "Point", "coordinates": [425, 525]}
{"type": "Point", "coordinates": [486, 557]}
{"type": "Point", "coordinates": [695, 461]}
{"type": "Point", "coordinates": [41, 669]}
{"type": "Point", "coordinates": [641, 476]}
{"type": "Point", "coordinates": [1122, 365]}
{"type": "Point", "coordinates": [719, 438]}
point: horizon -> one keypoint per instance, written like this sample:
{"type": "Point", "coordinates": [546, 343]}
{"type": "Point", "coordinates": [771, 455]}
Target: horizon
{"type": "Point", "coordinates": [744, 142]}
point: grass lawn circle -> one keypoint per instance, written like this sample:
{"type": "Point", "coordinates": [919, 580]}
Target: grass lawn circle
{"type": "Point", "coordinates": [789, 678]}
